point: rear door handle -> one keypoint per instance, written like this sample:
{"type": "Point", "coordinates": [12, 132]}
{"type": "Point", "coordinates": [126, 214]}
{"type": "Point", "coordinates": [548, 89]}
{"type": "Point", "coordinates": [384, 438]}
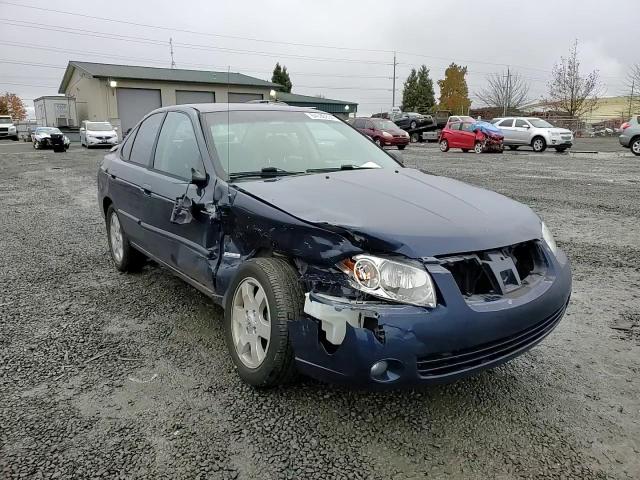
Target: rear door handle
{"type": "Point", "coordinates": [146, 189]}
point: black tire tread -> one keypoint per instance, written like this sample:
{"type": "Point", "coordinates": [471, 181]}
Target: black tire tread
{"type": "Point", "coordinates": [132, 259]}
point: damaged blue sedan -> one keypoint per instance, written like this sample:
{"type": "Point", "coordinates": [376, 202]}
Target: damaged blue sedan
{"type": "Point", "coordinates": [329, 257]}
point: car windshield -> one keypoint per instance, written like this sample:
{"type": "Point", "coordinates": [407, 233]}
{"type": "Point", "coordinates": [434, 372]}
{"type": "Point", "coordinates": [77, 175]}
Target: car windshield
{"type": "Point", "coordinates": [538, 123]}
{"type": "Point", "coordinates": [47, 130]}
{"type": "Point", "coordinates": [5, 120]}
{"type": "Point", "coordinates": [285, 142]}
{"type": "Point", "coordinates": [384, 124]}
{"type": "Point", "coordinates": [99, 126]}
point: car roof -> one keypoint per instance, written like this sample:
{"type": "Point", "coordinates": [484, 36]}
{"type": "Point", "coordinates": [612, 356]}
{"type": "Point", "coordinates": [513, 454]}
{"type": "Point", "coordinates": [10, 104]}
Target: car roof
{"type": "Point", "coordinates": [238, 107]}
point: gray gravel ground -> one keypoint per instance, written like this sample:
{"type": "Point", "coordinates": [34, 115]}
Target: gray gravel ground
{"type": "Point", "coordinates": [110, 375]}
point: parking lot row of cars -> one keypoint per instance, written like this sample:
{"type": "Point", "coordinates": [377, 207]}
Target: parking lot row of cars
{"type": "Point", "coordinates": [467, 133]}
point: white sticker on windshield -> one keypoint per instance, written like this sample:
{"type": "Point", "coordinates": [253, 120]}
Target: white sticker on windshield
{"type": "Point", "coordinates": [321, 116]}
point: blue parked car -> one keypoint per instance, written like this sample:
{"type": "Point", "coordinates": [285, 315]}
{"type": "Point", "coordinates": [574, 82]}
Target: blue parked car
{"type": "Point", "coordinates": [329, 257]}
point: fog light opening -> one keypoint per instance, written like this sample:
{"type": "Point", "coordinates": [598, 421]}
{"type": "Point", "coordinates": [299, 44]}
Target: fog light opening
{"type": "Point", "coordinates": [379, 369]}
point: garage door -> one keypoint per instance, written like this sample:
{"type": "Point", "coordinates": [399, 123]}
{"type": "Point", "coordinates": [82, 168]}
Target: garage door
{"type": "Point", "coordinates": [135, 103]}
{"type": "Point", "coordinates": [243, 97]}
{"type": "Point", "coordinates": [193, 96]}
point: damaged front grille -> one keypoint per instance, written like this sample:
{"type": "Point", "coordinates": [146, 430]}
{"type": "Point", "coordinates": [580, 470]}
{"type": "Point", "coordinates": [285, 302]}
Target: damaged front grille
{"type": "Point", "coordinates": [496, 272]}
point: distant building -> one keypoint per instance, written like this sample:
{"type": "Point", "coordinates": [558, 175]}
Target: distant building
{"type": "Point", "coordinates": [607, 109]}
{"type": "Point", "coordinates": [123, 94]}
{"type": "Point", "coordinates": [339, 108]}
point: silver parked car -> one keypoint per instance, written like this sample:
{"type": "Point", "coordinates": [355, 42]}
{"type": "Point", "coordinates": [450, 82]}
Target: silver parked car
{"type": "Point", "coordinates": [535, 132]}
{"type": "Point", "coordinates": [630, 136]}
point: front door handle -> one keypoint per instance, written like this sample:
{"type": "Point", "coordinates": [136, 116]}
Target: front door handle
{"type": "Point", "coordinates": [146, 189]}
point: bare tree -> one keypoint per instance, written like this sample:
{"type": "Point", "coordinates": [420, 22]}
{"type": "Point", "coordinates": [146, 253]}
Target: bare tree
{"type": "Point", "coordinates": [570, 91]}
{"type": "Point", "coordinates": [509, 91]}
{"type": "Point", "coordinates": [633, 89]}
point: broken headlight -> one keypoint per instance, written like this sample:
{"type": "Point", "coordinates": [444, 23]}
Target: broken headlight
{"type": "Point", "coordinates": [390, 279]}
{"type": "Point", "coordinates": [548, 238]}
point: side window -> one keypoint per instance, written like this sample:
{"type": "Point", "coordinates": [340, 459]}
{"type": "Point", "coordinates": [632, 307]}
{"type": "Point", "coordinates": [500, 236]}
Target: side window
{"type": "Point", "coordinates": [454, 126]}
{"type": "Point", "coordinates": [177, 151]}
{"type": "Point", "coordinates": [521, 123]}
{"type": "Point", "coordinates": [125, 151]}
{"type": "Point", "coordinates": [467, 127]}
{"type": "Point", "coordinates": [370, 125]}
{"type": "Point", "coordinates": [145, 138]}
{"type": "Point", "coordinates": [506, 123]}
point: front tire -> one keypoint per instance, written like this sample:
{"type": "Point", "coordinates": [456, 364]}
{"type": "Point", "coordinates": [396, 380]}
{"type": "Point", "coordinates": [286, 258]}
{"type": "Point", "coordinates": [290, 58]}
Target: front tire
{"type": "Point", "coordinates": [263, 298]}
{"type": "Point", "coordinates": [378, 142]}
{"type": "Point", "coordinates": [444, 145]}
{"type": "Point", "coordinates": [539, 144]}
{"type": "Point", "coordinates": [634, 146]}
{"type": "Point", "coordinates": [124, 256]}
{"type": "Point", "coordinates": [478, 148]}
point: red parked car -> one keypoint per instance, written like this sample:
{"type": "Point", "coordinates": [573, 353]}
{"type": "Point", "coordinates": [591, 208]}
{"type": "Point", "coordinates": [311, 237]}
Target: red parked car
{"type": "Point", "coordinates": [471, 135]}
{"type": "Point", "coordinates": [383, 132]}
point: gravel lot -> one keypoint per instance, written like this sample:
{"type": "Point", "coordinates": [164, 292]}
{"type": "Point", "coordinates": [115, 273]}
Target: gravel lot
{"type": "Point", "coordinates": [126, 376]}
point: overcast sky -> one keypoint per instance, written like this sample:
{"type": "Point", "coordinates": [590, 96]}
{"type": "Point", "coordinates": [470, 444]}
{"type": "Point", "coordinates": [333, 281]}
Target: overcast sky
{"type": "Point", "coordinates": [486, 36]}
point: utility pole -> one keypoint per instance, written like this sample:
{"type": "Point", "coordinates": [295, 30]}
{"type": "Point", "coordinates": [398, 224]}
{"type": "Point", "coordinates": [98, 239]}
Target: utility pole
{"type": "Point", "coordinates": [393, 95]}
{"type": "Point", "coordinates": [633, 85]}
{"type": "Point", "coordinates": [507, 94]}
{"type": "Point", "coordinates": [173, 63]}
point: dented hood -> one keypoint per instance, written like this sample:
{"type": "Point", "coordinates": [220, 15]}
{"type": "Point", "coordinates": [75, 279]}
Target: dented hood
{"type": "Point", "coordinates": [408, 212]}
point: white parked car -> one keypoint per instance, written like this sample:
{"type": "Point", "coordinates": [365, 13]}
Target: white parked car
{"type": "Point", "coordinates": [97, 133]}
{"type": "Point", "coordinates": [7, 128]}
{"type": "Point", "coordinates": [534, 132]}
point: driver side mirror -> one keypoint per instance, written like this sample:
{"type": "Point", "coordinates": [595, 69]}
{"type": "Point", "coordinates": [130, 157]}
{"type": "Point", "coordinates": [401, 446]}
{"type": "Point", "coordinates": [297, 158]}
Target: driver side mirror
{"type": "Point", "coordinates": [198, 178]}
{"type": "Point", "coordinates": [527, 126]}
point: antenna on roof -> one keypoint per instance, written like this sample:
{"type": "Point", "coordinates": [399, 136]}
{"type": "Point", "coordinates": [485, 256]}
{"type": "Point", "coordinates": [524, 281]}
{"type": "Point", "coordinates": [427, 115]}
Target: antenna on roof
{"type": "Point", "coordinates": [173, 63]}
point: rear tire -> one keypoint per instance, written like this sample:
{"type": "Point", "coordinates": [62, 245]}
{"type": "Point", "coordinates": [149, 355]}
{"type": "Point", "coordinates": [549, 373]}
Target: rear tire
{"type": "Point", "coordinates": [634, 146]}
{"type": "Point", "coordinates": [538, 144]}
{"type": "Point", "coordinates": [444, 145]}
{"type": "Point", "coordinates": [282, 300]}
{"type": "Point", "coordinates": [124, 256]}
{"type": "Point", "coordinates": [414, 138]}
{"type": "Point", "coordinates": [413, 125]}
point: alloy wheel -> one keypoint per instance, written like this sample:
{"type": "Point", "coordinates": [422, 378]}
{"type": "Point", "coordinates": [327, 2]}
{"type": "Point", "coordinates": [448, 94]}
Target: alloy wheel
{"type": "Point", "coordinates": [115, 235]}
{"type": "Point", "coordinates": [477, 148]}
{"type": "Point", "coordinates": [251, 323]}
{"type": "Point", "coordinates": [635, 147]}
{"type": "Point", "coordinates": [538, 145]}
{"type": "Point", "coordinates": [444, 145]}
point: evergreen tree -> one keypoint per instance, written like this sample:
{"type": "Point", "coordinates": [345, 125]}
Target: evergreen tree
{"type": "Point", "coordinates": [418, 94]}
{"type": "Point", "coordinates": [281, 77]}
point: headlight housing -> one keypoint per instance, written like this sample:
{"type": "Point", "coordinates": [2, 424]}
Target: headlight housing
{"type": "Point", "coordinates": [548, 238]}
{"type": "Point", "coordinates": [393, 280]}
{"type": "Point", "coordinates": [387, 135]}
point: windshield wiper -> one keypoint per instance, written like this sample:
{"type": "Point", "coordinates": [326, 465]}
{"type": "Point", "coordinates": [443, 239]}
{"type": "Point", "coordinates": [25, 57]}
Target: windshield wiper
{"type": "Point", "coordinates": [336, 169]}
{"type": "Point", "coordinates": [266, 172]}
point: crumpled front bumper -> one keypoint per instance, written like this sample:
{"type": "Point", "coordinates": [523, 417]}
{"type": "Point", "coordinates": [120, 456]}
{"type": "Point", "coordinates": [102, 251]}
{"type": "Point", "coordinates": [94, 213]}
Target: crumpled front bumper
{"type": "Point", "coordinates": [421, 346]}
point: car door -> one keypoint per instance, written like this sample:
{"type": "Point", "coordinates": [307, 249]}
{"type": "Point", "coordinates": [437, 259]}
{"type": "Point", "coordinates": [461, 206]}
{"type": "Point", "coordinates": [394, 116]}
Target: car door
{"type": "Point", "coordinates": [454, 135]}
{"type": "Point", "coordinates": [128, 188]}
{"type": "Point", "coordinates": [359, 124]}
{"type": "Point", "coordinates": [467, 136]}
{"type": "Point", "coordinates": [521, 131]}
{"type": "Point", "coordinates": [506, 126]}
{"type": "Point", "coordinates": [370, 129]}
{"type": "Point", "coordinates": [187, 247]}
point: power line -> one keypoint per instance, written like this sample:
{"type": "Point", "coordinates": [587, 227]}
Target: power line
{"type": "Point", "coordinates": [194, 32]}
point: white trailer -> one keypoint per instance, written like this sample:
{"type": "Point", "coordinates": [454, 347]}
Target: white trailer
{"type": "Point", "coordinates": [56, 111]}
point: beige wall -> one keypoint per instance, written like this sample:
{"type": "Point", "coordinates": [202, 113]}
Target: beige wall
{"type": "Point", "coordinates": [95, 100]}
